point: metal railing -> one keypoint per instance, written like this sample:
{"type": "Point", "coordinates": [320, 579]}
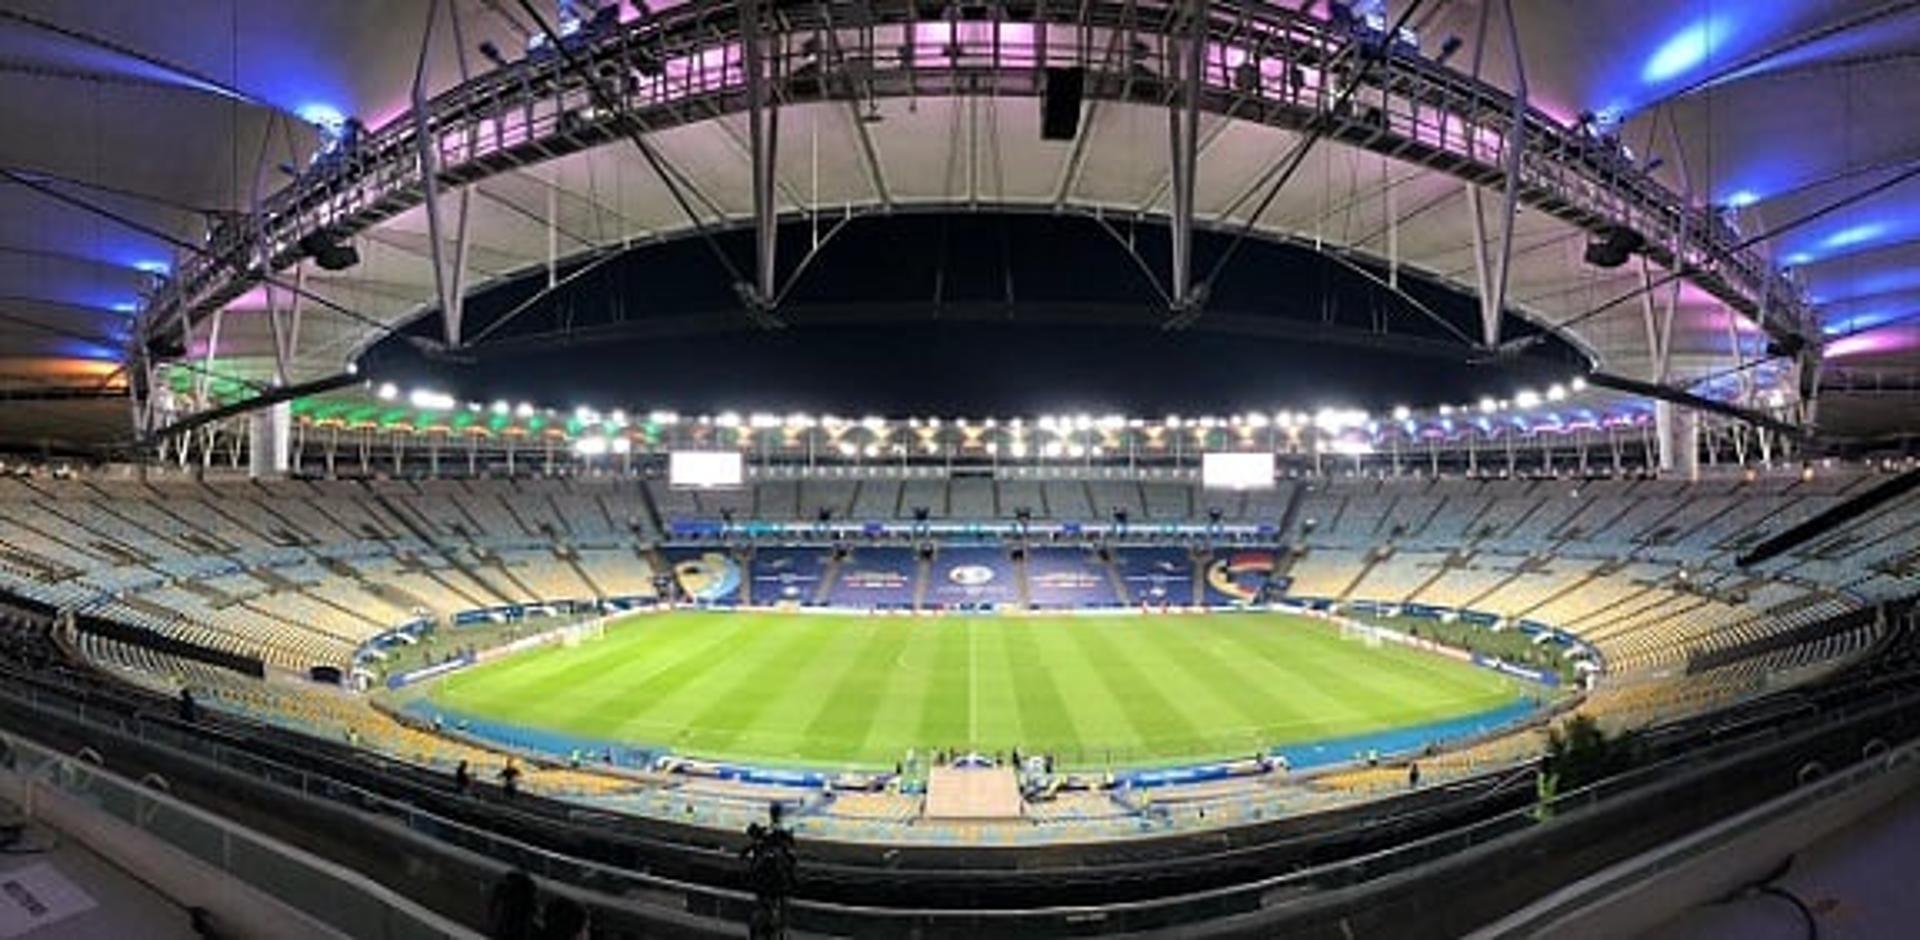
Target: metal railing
{"type": "Point", "coordinates": [1263, 64]}
{"type": "Point", "coordinates": [337, 897]}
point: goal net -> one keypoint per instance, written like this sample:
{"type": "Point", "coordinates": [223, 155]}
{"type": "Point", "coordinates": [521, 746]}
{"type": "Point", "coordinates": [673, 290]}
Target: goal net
{"type": "Point", "coordinates": [581, 632]}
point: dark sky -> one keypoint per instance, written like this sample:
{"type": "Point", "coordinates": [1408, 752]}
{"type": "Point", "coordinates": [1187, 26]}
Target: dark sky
{"type": "Point", "coordinates": [971, 314]}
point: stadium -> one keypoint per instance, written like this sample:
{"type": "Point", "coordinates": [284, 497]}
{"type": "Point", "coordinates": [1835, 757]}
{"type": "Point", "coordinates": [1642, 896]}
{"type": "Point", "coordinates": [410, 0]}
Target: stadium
{"type": "Point", "coordinates": [591, 468]}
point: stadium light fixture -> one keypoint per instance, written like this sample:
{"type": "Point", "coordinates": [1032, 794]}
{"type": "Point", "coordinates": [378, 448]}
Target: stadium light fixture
{"type": "Point", "coordinates": [1019, 449]}
{"type": "Point", "coordinates": [1488, 406]}
{"type": "Point", "coordinates": [388, 391]}
{"type": "Point", "coordinates": [523, 410]}
{"type": "Point", "coordinates": [728, 419]}
{"type": "Point", "coordinates": [1402, 413]}
{"type": "Point", "coordinates": [1527, 398]}
{"type": "Point", "coordinates": [1579, 384]}
{"type": "Point", "coordinates": [429, 400]}
{"type": "Point", "coordinates": [1556, 392]}
{"type": "Point", "coordinates": [501, 407]}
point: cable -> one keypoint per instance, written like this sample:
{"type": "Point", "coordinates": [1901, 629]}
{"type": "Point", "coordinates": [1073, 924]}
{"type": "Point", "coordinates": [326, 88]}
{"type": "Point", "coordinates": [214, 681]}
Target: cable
{"type": "Point", "coordinates": [1321, 125]}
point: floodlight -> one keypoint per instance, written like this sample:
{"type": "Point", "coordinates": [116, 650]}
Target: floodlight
{"type": "Point", "coordinates": [523, 410]}
{"type": "Point", "coordinates": [429, 400]}
{"type": "Point", "coordinates": [1556, 392]}
{"type": "Point", "coordinates": [1579, 384]}
{"type": "Point", "coordinates": [501, 407]}
{"type": "Point", "coordinates": [388, 391]}
{"type": "Point", "coordinates": [1526, 398]}
{"type": "Point", "coordinates": [1402, 413]}
{"type": "Point", "coordinates": [1488, 406]}
{"type": "Point", "coordinates": [728, 419]}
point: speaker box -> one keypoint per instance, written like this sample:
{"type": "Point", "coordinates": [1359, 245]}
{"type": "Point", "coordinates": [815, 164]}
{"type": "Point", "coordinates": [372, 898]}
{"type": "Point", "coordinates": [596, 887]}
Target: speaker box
{"type": "Point", "coordinates": [1060, 106]}
{"type": "Point", "coordinates": [1612, 248]}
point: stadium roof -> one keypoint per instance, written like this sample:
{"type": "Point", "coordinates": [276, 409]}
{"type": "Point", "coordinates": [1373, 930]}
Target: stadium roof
{"type": "Point", "coordinates": [133, 125]}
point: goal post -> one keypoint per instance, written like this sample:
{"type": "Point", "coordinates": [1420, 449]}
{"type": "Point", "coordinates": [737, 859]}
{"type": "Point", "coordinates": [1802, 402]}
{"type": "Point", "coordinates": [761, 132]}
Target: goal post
{"type": "Point", "coordinates": [581, 632]}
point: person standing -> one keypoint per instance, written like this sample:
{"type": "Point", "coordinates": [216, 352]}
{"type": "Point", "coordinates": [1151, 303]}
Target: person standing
{"type": "Point", "coordinates": [510, 779]}
{"type": "Point", "coordinates": [771, 873]}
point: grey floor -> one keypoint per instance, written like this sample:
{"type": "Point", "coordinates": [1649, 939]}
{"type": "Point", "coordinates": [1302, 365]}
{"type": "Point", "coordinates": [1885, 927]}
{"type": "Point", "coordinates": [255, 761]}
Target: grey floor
{"type": "Point", "coordinates": [1860, 882]}
{"type": "Point", "coordinates": [123, 907]}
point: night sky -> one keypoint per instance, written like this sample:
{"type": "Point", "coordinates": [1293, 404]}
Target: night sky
{"type": "Point", "coordinates": [971, 315]}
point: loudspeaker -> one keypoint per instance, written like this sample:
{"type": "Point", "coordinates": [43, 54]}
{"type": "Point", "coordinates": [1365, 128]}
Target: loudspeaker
{"type": "Point", "coordinates": [1060, 106]}
{"type": "Point", "coordinates": [330, 255]}
{"type": "Point", "coordinates": [1612, 248]}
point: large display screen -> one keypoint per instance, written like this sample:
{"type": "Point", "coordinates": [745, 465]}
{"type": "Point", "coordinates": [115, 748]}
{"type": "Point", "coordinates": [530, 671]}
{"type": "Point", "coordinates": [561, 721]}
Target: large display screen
{"type": "Point", "coordinates": [706, 469]}
{"type": "Point", "coordinates": [1236, 471]}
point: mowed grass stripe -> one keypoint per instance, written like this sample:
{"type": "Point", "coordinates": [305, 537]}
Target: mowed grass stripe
{"type": "Point", "coordinates": [862, 691]}
{"type": "Point", "coordinates": [788, 708]}
{"type": "Point", "coordinates": [849, 710]}
{"type": "Point", "coordinates": [943, 693]}
{"type": "Point", "coordinates": [1225, 711]}
{"type": "Point", "coordinates": [1258, 707]}
{"type": "Point", "coordinates": [569, 688]}
{"type": "Point", "coordinates": [1046, 720]}
{"type": "Point", "coordinates": [757, 677]}
{"type": "Point", "coordinates": [616, 692]}
{"type": "Point", "coordinates": [1157, 722]}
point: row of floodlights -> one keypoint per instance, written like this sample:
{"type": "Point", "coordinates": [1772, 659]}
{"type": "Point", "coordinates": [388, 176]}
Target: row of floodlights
{"type": "Point", "coordinates": [1330, 420]}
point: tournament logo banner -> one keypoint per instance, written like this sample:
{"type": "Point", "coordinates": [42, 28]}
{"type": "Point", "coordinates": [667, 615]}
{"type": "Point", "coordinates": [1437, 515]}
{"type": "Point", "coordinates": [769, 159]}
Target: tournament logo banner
{"type": "Point", "coordinates": [1240, 576]}
{"type": "Point", "coordinates": [712, 576]}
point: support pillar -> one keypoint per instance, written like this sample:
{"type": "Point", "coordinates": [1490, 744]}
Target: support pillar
{"type": "Point", "coordinates": [268, 439]}
{"type": "Point", "coordinates": [1677, 431]}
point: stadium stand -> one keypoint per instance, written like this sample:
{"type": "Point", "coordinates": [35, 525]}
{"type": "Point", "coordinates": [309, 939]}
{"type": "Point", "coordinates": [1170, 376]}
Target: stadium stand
{"type": "Point", "coordinates": [1069, 578]}
{"type": "Point", "coordinates": [877, 577]}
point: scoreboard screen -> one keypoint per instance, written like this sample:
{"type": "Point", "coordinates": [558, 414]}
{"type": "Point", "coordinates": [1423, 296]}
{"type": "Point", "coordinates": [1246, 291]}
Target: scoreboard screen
{"type": "Point", "coordinates": [706, 469]}
{"type": "Point", "coordinates": [1236, 471]}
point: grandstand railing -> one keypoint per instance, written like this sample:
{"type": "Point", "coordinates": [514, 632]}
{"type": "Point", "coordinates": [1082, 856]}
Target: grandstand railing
{"type": "Point", "coordinates": [1263, 63]}
{"type": "Point", "coordinates": [1725, 753]}
{"type": "Point", "coordinates": [1536, 920]}
{"type": "Point", "coordinates": [338, 897]}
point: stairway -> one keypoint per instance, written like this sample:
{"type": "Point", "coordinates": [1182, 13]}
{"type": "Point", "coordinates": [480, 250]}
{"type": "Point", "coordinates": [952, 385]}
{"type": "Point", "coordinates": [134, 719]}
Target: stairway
{"type": "Point", "coordinates": [573, 561]}
{"type": "Point", "coordinates": [922, 570]}
{"type": "Point", "coordinates": [453, 558]}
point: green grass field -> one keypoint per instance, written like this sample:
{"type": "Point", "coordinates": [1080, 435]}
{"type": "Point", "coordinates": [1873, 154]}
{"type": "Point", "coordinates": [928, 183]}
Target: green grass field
{"type": "Point", "coordinates": [862, 691]}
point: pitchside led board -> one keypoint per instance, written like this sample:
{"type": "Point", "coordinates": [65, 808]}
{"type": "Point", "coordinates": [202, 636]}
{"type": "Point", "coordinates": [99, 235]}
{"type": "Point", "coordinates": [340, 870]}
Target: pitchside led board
{"type": "Point", "coordinates": [1236, 471]}
{"type": "Point", "coordinates": [706, 469]}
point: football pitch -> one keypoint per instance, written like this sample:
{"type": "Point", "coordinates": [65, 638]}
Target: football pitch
{"type": "Point", "coordinates": [856, 691]}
